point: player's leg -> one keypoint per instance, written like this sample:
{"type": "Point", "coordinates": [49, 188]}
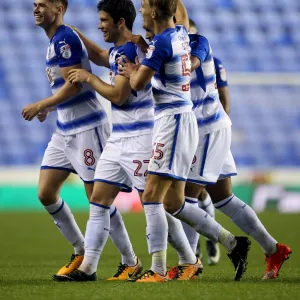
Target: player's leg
{"type": "Point", "coordinates": [54, 171]}
{"type": "Point", "coordinates": [120, 238]}
{"type": "Point", "coordinates": [247, 220]}
{"type": "Point", "coordinates": [212, 248]}
{"type": "Point", "coordinates": [157, 226]}
{"type": "Point", "coordinates": [50, 183]}
{"type": "Point", "coordinates": [130, 265]}
{"type": "Point", "coordinates": [192, 192]}
{"type": "Point", "coordinates": [98, 227]}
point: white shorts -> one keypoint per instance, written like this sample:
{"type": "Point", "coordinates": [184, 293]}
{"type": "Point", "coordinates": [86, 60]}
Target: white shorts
{"type": "Point", "coordinates": [77, 153]}
{"type": "Point", "coordinates": [213, 159]}
{"type": "Point", "coordinates": [124, 162]}
{"type": "Point", "coordinates": [175, 140]}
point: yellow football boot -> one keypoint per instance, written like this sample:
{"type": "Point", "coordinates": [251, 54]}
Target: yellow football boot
{"type": "Point", "coordinates": [73, 264]}
{"type": "Point", "coordinates": [125, 272]}
{"type": "Point", "coordinates": [188, 272]}
{"type": "Point", "coordinates": [151, 277]}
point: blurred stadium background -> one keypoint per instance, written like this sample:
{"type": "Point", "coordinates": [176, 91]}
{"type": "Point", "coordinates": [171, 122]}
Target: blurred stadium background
{"type": "Point", "coordinates": [259, 44]}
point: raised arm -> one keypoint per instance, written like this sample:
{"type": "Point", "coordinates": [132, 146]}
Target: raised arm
{"type": "Point", "coordinates": [97, 55]}
{"type": "Point", "coordinates": [181, 15]}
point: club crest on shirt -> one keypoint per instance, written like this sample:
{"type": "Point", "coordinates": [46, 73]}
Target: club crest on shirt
{"type": "Point", "coordinates": [150, 51]}
{"type": "Point", "coordinates": [65, 51]}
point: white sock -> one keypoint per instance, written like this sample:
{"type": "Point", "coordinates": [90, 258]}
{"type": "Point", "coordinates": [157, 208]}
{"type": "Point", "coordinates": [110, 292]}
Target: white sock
{"type": "Point", "coordinates": [227, 239]}
{"type": "Point", "coordinates": [65, 222]}
{"type": "Point", "coordinates": [191, 234]}
{"type": "Point", "coordinates": [157, 236]}
{"type": "Point", "coordinates": [120, 238]}
{"type": "Point", "coordinates": [208, 206]}
{"type": "Point", "coordinates": [96, 235]}
{"type": "Point", "coordinates": [159, 260]}
{"type": "Point", "coordinates": [200, 220]}
{"type": "Point", "coordinates": [179, 241]}
{"type": "Point", "coordinates": [246, 219]}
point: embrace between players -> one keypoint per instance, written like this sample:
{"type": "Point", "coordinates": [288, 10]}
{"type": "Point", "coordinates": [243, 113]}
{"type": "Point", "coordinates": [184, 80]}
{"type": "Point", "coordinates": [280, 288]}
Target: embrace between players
{"type": "Point", "coordinates": [168, 126]}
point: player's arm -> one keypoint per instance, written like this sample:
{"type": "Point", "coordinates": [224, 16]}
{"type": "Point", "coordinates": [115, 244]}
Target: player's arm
{"type": "Point", "coordinates": [67, 91]}
{"type": "Point", "coordinates": [199, 50]}
{"type": "Point", "coordinates": [97, 55]}
{"type": "Point", "coordinates": [140, 42]}
{"type": "Point", "coordinates": [117, 94]}
{"type": "Point", "coordinates": [181, 15]}
{"type": "Point", "coordinates": [222, 84]}
{"type": "Point", "coordinates": [141, 75]}
{"type": "Point", "coordinates": [196, 63]}
{"type": "Point", "coordinates": [224, 98]}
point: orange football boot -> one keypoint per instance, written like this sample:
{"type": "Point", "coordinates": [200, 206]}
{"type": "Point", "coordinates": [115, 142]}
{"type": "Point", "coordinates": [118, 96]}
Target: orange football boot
{"type": "Point", "coordinates": [275, 261]}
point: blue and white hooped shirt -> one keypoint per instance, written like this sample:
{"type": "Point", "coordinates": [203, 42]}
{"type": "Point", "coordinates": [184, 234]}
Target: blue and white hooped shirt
{"type": "Point", "coordinates": [83, 111]}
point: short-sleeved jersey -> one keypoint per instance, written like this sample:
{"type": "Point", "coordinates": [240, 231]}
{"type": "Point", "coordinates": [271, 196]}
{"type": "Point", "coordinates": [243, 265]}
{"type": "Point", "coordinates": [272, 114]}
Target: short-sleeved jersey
{"type": "Point", "coordinates": [220, 73]}
{"type": "Point", "coordinates": [136, 115]}
{"type": "Point", "coordinates": [169, 55]}
{"type": "Point", "coordinates": [207, 105]}
{"type": "Point", "coordinates": [83, 111]}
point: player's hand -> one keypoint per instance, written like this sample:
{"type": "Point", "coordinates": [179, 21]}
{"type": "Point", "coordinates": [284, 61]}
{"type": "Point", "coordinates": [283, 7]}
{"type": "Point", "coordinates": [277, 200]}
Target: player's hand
{"type": "Point", "coordinates": [79, 75]}
{"type": "Point", "coordinates": [30, 111]}
{"type": "Point", "coordinates": [42, 115]}
{"type": "Point", "coordinates": [126, 67]}
{"type": "Point", "coordinates": [140, 42]}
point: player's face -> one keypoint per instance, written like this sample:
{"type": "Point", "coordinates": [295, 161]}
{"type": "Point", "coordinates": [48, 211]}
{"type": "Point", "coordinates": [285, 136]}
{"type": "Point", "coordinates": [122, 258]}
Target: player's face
{"type": "Point", "coordinates": [44, 12]}
{"type": "Point", "coordinates": [147, 13]}
{"type": "Point", "coordinates": [108, 27]}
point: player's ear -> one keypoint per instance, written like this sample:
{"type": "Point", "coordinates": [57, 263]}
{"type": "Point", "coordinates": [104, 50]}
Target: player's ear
{"type": "Point", "coordinates": [153, 14]}
{"type": "Point", "coordinates": [60, 10]}
{"type": "Point", "coordinates": [121, 23]}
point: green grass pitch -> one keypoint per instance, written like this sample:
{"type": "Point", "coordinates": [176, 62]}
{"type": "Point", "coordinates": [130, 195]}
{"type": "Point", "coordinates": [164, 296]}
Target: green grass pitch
{"type": "Point", "coordinates": [32, 250]}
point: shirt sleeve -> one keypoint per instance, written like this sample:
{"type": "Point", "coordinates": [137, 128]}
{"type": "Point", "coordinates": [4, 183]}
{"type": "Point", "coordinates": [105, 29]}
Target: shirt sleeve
{"type": "Point", "coordinates": [159, 51]}
{"type": "Point", "coordinates": [68, 49]}
{"type": "Point", "coordinates": [128, 50]}
{"type": "Point", "coordinates": [199, 47]}
{"type": "Point", "coordinates": [220, 74]}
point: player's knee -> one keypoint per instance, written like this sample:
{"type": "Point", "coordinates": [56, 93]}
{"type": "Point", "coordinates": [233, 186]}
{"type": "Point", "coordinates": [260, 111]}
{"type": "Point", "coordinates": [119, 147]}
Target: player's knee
{"type": "Point", "coordinates": [46, 197]}
{"type": "Point", "coordinates": [172, 207]}
{"type": "Point", "coordinates": [203, 195]}
{"type": "Point", "coordinates": [193, 190]}
{"type": "Point", "coordinates": [149, 196]}
{"type": "Point", "coordinates": [101, 199]}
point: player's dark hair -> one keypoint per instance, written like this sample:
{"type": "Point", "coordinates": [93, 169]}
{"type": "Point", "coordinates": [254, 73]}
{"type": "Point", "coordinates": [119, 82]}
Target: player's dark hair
{"type": "Point", "coordinates": [165, 8]}
{"type": "Point", "coordinates": [65, 3]}
{"type": "Point", "coordinates": [118, 9]}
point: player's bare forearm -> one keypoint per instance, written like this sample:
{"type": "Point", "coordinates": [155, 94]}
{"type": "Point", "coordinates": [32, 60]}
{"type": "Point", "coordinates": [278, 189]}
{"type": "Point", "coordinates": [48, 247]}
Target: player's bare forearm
{"type": "Point", "coordinates": [135, 81]}
{"type": "Point", "coordinates": [181, 15]}
{"type": "Point", "coordinates": [196, 63]}
{"type": "Point", "coordinates": [115, 95]}
{"type": "Point", "coordinates": [224, 98]}
{"type": "Point", "coordinates": [41, 108]}
{"type": "Point", "coordinates": [97, 55]}
{"type": "Point", "coordinates": [65, 93]}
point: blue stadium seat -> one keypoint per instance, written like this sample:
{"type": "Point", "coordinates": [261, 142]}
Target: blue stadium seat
{"type": "Point", "coordinates": [256, 36]}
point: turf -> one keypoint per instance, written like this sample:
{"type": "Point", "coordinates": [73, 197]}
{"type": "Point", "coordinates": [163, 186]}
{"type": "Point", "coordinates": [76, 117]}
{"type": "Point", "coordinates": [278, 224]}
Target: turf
{"type": "Point", "coordinates": [32, 250]}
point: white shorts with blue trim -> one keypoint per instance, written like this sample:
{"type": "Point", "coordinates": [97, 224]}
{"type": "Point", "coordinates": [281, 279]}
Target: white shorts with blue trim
{"type": "Point", "coordinates": [175, 140]}
{"type": "Point", "coordinates": [213, 160]}
{"type": "Point", "coordinates": [124, 162]}
{"type": "Point", "coordinates": [77, 153]}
